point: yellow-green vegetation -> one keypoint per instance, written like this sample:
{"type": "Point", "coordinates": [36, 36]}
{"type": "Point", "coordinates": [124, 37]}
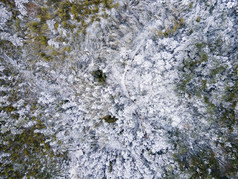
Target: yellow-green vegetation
{"type": "Point", "coordinates": [56, 25]}
{"type": "Point", "coordinates": [27, 152]}
{"type": "Point", "coordinates": [190, 5]}
{"type": "Point", "coordinates": [178, 23]}
{"type": "Point", "coordinates": [54, 53]}
{"type": "Point", "coordinates": [198, 19]}
{"type": "Point", "coordinates": [8, 109]}
{"type": "Point", "coordinates": [35, 27]}
{"type": "Point", "coordinates": [83, 14]}
{"type": "Point", "coordinates": [44, 56]}
{"type": "Point", "coordinates": [167, 32]}
{"type": "Point", "coordinates": [41, 26]}
{"type": "Point", "coordinates": [17, 25]}
{"type": "Point", "coordinates": [30, 154]}
{"type": "Point", "coordinates": [41, 39]}
{"type": "Point", "coordinates": [81, 11]}
{"type": "Point", "coordinates": [39, 30]}
{"type": "Point", "coordinates": [39, 34]}
{"type": "Point", "coordinates": [44, 15]}
{"type": "Point", "coordinates": [67, 49]}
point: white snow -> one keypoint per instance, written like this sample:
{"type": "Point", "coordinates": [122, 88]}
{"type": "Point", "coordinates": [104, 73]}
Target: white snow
{"type": "Point", "coordinates": [141, 71]}
{"type": "Point", "coordinates": [21, 7]}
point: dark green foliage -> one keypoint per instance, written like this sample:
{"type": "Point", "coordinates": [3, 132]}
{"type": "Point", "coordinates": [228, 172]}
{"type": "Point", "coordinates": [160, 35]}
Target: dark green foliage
{"type": "Point", "coordinates": [109, 119]}
{"type": "Point", "coordinates": [99, 76]}
{"type": "Point", "coordinates": [110, 166]}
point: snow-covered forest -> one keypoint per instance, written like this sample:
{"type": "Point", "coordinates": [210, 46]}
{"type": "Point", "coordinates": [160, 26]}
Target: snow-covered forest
{"type": "Point", "coordinates": [118, 89]}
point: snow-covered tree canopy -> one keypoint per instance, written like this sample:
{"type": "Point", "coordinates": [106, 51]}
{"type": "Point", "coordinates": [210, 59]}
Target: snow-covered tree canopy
{"type": "Point", "coordinates": [118, 89]}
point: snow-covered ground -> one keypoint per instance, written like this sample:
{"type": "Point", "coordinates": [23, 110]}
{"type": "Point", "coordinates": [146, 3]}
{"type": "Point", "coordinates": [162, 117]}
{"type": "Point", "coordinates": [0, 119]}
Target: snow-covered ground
{"type": "Point", "coordinates": [159, 59]}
